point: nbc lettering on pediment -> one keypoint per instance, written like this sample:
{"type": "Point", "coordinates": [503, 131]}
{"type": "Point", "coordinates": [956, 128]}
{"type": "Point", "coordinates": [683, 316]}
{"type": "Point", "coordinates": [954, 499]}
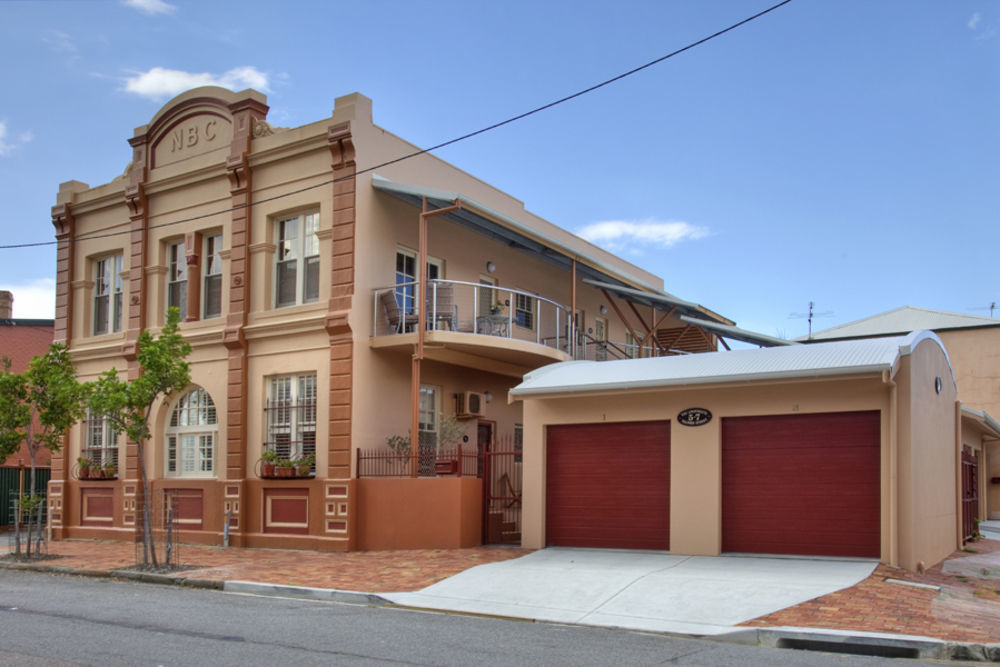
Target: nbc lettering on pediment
{"type": "Point", "coordinates": [192, 135]}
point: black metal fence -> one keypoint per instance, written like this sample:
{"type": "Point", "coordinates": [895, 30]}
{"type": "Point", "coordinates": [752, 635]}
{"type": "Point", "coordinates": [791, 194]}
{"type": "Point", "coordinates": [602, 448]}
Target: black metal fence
{"type": "Point", "coordinates": [457, 461]}
{"type": "Point", "coordinates": [10, 483]}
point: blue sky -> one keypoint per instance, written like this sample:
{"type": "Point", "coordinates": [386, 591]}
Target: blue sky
{"type": "Point", "coordinates": [846, 153]}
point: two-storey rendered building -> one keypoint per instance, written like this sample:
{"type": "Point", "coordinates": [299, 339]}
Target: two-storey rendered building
{"type": "Point", "coordinates": [337, 299]}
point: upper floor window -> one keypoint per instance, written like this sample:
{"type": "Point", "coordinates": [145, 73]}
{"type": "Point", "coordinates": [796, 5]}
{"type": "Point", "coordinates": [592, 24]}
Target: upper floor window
{"type": "Point", "coordinates": [297, 267]}
{"type": "Point", "coordinates": [177, 278]}
{"type": "Point", "coordinates": [291, 416]}
{"type": "Point", "coordinates": [524, 311]}
{"type": "Point", "coordinates": [212, 289]}
{"type": "Point", "coordinates": [406, 278]}
{"type": "Point", "coordinates": [191, 434]}
{"type": "Point", "coordinates": [100, 446]}
{"type": "Point", "coordinates": [108, 295]}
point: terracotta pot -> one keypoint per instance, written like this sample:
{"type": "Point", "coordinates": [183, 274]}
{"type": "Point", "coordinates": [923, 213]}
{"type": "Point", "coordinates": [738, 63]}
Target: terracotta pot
{"type": "Point", "coordinates": [84, 473]}
{"type": "Point", "coordinates": [267, 469]}
{"type": "Point", "coordinates": [285, 471]}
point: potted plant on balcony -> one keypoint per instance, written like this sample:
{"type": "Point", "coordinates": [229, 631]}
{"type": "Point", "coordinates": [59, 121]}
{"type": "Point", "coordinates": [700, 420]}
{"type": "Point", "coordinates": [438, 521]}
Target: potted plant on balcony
{"type": "Point", "coordinates": [267, 462]}
{"type": "Point", "coordinates": [84, 467]}
{"type": "Point", "coordinates": [284, 468]}
{"type": "Point", "coordinates": [110, 470]}
{"type": "Point", "coordinates": [497, 308]}
{"type": "Point", "coordinates": [304, 464]}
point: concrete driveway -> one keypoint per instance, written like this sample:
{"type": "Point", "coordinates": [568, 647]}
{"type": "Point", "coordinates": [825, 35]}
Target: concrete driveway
{"type": "Point", "coordinates": [639, 590]}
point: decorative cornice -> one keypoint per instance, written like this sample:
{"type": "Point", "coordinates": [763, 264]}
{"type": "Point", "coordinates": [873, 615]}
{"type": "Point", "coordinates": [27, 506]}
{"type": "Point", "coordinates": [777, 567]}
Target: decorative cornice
{"type": "Point", "coordinates": [263, 246]}
{"type": "Point", "coordinates": [341, 145]}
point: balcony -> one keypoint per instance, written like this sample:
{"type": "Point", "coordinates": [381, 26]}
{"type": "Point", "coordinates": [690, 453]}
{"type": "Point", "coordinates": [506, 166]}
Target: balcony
{"type": "Point", "coordinates": [489, 327]}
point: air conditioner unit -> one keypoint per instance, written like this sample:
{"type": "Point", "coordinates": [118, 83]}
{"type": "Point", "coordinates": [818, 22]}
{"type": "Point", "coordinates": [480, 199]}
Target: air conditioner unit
{"type": "Point", "coordinates": [470, 404]}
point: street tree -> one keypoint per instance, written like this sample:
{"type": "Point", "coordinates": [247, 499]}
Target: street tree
{"type": "Point", "coordinates": [128, 404]}
{"type": "Point", "coordinates": [37, 407]}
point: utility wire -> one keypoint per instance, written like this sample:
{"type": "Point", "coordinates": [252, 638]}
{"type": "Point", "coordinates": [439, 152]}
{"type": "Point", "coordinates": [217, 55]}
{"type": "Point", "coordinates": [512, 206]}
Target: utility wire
{"type": "Point", "coordinates": [431, 149]}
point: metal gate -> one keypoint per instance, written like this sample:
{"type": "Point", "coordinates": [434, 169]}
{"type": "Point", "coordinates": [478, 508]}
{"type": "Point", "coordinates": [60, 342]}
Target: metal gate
{"type": "Point", "coordinates": [502, 491]}
{"type": "Point", "coordinates": [10, 484]}
{"type": "Point", "coordinates": [970, 493]}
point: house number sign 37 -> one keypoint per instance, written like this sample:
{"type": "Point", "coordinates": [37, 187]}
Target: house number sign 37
{"type": "Point", "coordinates": [694, 417]}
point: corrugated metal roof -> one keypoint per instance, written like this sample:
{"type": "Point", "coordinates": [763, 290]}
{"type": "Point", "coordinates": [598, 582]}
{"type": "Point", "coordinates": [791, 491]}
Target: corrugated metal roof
{"type": "Point", "coordinates": [736, 333]}
{"type": "Point", "coordinates": [901, 321]}
{"type": "Point", "coordinates": [772, 363]}
{"type": "Point", "coordinates": [983, 418]}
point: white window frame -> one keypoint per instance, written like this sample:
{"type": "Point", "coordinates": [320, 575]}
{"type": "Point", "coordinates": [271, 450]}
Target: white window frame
{"type": "Point", "coordinates": [177, 276]}
{"type": "Point", "coordinates": [108, 286]}
{"type": "Point", "coordinates": [191, 434]}
{"type": "Point", "coordinates": [408, 295]}
{"type": "Point", "coordinates": [520, 301]}
{"type": "Point", "coordinates": [213, 273]}
{"type": "Point", "coordinates": [100, 440]}
{"type": "Point", "coordinates": [298, 251]}
{"type": "Point", "coordinates": [291, 415]}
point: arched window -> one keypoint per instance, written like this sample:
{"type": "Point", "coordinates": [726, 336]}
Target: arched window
{"type": "Point", "coordinates": [191, 434]}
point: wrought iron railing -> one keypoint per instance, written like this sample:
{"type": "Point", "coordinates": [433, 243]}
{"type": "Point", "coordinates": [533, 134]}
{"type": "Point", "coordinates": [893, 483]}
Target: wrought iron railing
{"type": "Point", "coordinates": [457, 461]}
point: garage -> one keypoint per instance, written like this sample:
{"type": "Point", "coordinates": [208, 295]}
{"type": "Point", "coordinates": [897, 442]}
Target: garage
{"type": "Point", "coordinates": [802, 484]}
{"type": "Point", "coordinates": [608, 485]}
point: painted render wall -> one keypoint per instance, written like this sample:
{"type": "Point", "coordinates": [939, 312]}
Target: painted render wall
{"type": "Point", "coordinates": [919, 520]}
{"type": "Point", "coordinates": [928, 438]}
{"type": "Point", "coordinates": [695, 453]}
{"type": "Point", "coordinates": [975, 357]}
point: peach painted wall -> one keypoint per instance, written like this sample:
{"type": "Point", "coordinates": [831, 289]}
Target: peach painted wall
{"type": "Point", "coordinates": [975, 357]}
{"type": "Point", "coordinates": [420, 513]}
{"type": "Point", "coordinates": [919, 495]}
{"type": "Point", "coordinates": [928, 449]}
{"type": "Point", "coordinates": [695, 453]}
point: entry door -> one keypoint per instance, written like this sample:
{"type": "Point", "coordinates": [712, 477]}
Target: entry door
{"type": "Point", "coordinates": [600, 339]}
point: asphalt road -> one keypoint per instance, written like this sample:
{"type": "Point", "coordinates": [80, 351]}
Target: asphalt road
{"type": "Point", "coordinates": [55, 620]}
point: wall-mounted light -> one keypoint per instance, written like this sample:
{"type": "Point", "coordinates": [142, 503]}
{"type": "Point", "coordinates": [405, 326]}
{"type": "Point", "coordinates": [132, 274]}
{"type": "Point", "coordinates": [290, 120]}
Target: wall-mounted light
{"type": "Point", "coordinates": [488, 395]}
{"type": "Point", "coordinates": [604, 310]}
{"type": "Point", "coordinates": [937, 384]}
{"type": "Point", "coordinates": [490, 267]}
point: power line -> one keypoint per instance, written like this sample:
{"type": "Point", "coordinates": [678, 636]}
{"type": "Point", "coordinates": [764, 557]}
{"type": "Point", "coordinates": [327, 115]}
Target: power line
{"type": "Point", "coordinates": [431, 149]}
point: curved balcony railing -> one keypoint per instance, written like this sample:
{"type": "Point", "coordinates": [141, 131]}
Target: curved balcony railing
{"type": "Point", "coordinates": [485, 310]}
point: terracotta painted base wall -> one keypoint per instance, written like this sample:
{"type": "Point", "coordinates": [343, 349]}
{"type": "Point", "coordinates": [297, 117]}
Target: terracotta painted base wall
{"type": "Point", "coordinates": [433, 513]}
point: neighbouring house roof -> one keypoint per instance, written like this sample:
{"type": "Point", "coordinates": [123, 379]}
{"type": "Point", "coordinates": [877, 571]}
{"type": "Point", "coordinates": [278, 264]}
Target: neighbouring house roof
{"type": "Point", "coordinates": [773, 363]}
{"type": "Point", "coordinates": [485, 220]}
{"type": "Point", "coordinates": [988, 424]}
{"type": "Point", "coordinates": [900, 321]}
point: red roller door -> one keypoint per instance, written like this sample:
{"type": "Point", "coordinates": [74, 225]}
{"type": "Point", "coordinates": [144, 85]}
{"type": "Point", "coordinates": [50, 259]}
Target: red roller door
{"type": "Point", "coordinates": [608, 485]}
{"type": "Point", "coordinates": [802, 484]}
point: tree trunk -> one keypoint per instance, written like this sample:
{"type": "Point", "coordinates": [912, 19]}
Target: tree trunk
{"type": "Point", "coordinates": [148, 547]}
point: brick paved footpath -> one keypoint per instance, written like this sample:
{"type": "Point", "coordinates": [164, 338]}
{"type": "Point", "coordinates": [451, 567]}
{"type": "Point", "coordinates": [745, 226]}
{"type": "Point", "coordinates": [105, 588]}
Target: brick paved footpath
{"type": "Point", "coordinates": [967, 608]}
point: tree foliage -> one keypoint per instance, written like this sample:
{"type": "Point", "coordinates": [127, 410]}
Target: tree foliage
{"type": "Point", "coordinates": [128, 404]}
{"type": "Point", "coordinates": [36, 408]}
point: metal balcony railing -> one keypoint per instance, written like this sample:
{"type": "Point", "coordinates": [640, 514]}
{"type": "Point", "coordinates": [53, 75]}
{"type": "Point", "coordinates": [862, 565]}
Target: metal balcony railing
{"type": "Point", "coordinates": [485, 310]}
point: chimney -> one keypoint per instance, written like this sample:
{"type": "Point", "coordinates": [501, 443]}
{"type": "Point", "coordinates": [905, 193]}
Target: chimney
{"type": "Point", "coordinates": [6, 305]}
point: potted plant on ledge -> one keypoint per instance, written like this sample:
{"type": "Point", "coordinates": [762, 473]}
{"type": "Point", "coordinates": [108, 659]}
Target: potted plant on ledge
{"type": "Point", "coordinates": [267, 462]}
{"type": "Point", "coordinates": [110, 470]}
{"type": "Point", "coordinates": [284, 468]}
{"type": "Point", "coordinates": [304, 464]}
{"type": "Point", "coordinates": [84, 467]}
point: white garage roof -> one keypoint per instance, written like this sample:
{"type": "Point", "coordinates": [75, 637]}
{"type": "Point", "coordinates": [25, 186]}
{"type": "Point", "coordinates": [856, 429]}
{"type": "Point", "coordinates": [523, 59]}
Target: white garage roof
{"type": "Point", "coordinates": [773, 363]}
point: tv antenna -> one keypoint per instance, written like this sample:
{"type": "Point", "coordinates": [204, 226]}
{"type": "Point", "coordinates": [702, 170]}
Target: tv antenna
{"type": "Point", "coordinates": [993, 306]}
{"type": "Point", "coordinates": [810, 315]}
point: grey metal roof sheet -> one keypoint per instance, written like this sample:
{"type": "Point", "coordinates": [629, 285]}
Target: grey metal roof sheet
{"type": "Point", "coordinates": [900, 321]}
{"type": "Point", "coordinates": [773, 363]}
{"type": "Point", "coordinates": [727, 331]}
{"type": "Point", "coordinates": [988, 423]}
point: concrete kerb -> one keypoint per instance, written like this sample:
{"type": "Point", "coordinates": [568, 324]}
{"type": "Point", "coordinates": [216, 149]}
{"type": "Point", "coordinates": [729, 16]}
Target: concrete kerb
{"type": "Point", "coordinates": [828, 640]}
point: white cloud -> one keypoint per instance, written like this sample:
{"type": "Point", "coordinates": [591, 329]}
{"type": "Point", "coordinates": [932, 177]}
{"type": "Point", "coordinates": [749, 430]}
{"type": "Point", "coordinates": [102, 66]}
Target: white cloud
{"type": "Point", "coordinates": [634, 237]}
{"type": "Point", "coordinates": [7, 146]}
{"type": "Point", "coordinates": [974, 21]}
{"type": "Point", "coordinates": [34, 300]}
{"type": "Point", "coordinates": [160, 83]}
{"type": "Point", "coordinates": [151, 7]}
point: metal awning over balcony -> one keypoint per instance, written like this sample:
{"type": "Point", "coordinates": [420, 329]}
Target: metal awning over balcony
{"type": "Point", "coordinates": [506, 230]}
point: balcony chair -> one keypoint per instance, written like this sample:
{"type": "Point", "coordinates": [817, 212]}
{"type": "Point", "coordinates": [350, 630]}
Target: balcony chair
{"type": "Point", "coordinates": [399, 321]}
{"type": "Point", "coordinates": [446, 309]}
